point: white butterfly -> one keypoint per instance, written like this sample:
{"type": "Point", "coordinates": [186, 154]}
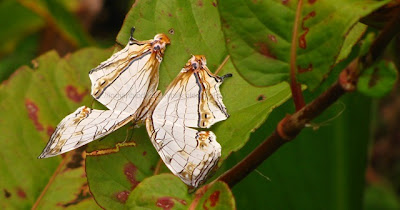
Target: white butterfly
{"type": "Point", "coordinates": [192, 100]}
{"type": "Point", "coordinates": [127, 84]}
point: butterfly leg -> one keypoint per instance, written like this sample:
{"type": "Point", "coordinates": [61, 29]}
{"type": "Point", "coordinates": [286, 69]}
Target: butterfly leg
{"type": "Point", "coordinates": [129, 135]}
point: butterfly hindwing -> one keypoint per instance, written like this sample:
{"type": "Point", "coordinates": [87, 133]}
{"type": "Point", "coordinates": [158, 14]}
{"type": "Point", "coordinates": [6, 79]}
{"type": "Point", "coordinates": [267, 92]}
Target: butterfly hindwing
{"type": "Point", "coordinates": [81, 127]}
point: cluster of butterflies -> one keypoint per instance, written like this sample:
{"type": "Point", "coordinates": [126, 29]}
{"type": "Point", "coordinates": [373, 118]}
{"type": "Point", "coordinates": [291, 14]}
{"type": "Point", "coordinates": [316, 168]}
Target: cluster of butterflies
{"type": "Point", "coordinates": [127, 84]}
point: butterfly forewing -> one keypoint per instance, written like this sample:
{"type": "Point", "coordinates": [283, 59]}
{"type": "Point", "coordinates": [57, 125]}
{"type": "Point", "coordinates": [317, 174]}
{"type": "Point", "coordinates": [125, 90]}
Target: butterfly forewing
{"type": "Point", "coordinates": [121, 83]}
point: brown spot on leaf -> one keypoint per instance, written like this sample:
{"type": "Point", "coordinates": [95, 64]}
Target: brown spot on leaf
{"type": "Point", "coordinates": [6, 193]}
{"type": "Point", "coordinates": [170, 15]}
{"type": "Point", "coordinates": [272, 38]}
{"type": "Point", "coordinates": [171, 31]}
{"type": "Point", "coordinates": [261, 97]}
{"type": "Point", "coordinates": [73, 94]}
{"type": "Point", "coordinates": [285, 1]}
{"type": "Point", "coordinates": [200, 3]}
{"type": "Point", "coordinates": [303, 70]}
{"type": "Point", "coordinates": [168, 202]}
{"type": "Point", "coordinates": [311, 1]}
{"type": "Point", "coordinates": [144, 153]}
{"type": "Point", "coordinates": [130, 173]}
{"type": "Point", "coordinates": [21, 193]}
{"type": "Point", "coordinates": [165, 202]}
{"type": "Point", "coordinates": [77, 159]}
{"type": "Point", "coordinates": [213, 200]}
{"type": "Point", "coordinates": [49, 130]}
{"type": "Point", "coordinates": [302, 39]}
{"type": "Point", "coordinates": [83, 194]}
{"type": "Point", "coordinates": [264, 50]}
{"type": "Point", "coordinates": [122, 196]}
{"type": "Point", "coordinates": [33, 111]}
{"type": "Point", "coordinates": [214, 4]}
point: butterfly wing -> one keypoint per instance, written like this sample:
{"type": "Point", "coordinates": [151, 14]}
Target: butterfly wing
{"type": "Point", "coordinates": [127, 80]}
{"type": "Point", "coordinates": [81, 127]}
{"type": "Point", "coordinates": [193, 100]}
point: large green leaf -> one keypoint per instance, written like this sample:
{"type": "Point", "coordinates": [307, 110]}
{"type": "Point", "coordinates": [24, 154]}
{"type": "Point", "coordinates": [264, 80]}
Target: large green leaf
{"type": "Point", "coordinates": [259, 33]}
{"type": "Point", "coordinates": [196, 30]}
{"type": "Point", "coordinates": [33, 101]}
{"type": "Point", "coordinates": [248, 106]}
{"type": "Point", "coordinates": [323, 168]}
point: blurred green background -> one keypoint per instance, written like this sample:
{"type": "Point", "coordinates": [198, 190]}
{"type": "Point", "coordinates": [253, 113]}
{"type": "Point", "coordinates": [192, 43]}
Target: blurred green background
{"type": "Point", "coordinates": [348, 157]}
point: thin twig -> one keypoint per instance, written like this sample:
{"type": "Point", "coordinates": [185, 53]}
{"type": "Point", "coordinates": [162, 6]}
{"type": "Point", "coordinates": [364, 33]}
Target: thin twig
{"type": "Point", "coordinates": [222, 64]}
{"type": "Point", "coordinates": [52, 178]}
{"type": "Point", "coordinates": [289, 127]}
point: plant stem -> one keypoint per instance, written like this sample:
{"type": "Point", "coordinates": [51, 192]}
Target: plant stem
{"type": "Point", "coordinates": [295, 87]}
{"type": "Point", "coordinates": [290, 126]}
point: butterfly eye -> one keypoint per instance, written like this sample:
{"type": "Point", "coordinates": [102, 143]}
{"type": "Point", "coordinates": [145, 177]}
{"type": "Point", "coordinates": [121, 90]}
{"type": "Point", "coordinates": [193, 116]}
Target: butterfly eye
{"type": "Point", "coordinates": [194, 65]}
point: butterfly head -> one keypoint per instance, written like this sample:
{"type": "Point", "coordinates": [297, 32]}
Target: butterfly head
{"type": "Point", "coordinates": [160, 42]}
{"type": "Point", "coordinates": [195, 63]}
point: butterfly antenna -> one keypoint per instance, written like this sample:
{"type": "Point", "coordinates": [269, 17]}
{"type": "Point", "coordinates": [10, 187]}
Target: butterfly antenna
{"type": "Point", "coordinates": [261, 174]}
{"type": "Point", "coordinates": [132, 31]}
{"type": "Point", "coordinates": [226, 76]}
{"type": "Point", "coordinates": [316, 126]}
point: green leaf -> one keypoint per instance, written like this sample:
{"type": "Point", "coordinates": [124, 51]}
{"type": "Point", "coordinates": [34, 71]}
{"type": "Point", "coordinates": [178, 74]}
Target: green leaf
{"type": "Point", "coordinates": [112, 177]}
{"type": "Point", "coordinates": [161, 191]}
{"type": "Point", "coordinates": [320, 169]}
{"type": "Point", "coordinates": [171, 193]}
{"type": "Point", "coordinates": [379, 79]}
{"type": "Point", "coordinates": [259, 33]}
{"type": "Point", "coordinates": [33, 101]}
{"type": "Point", "coordinates": [353, 36]}
{"type": "Point", "coordinates": [192, 35]}
{"type": "Point", "coordinates": [23, 23]}
{"type": "Point", "coordinates": [218, 196]}
{"type": "Point", "coordinates": [196, 30]}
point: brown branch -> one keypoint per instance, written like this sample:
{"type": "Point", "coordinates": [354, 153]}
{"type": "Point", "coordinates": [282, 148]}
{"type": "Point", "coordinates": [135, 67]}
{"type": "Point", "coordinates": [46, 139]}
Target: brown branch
{"type": "Point", "coordinates": [295, 87]}
{"type": "Point", "coordinates": [291, 125]}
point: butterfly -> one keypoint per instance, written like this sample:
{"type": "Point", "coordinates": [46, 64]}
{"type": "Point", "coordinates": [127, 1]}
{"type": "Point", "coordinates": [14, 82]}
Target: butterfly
{"type": "Point", "coordinates": [127, 84]}
{"type": "Point", "coordinates": [192, 101]}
